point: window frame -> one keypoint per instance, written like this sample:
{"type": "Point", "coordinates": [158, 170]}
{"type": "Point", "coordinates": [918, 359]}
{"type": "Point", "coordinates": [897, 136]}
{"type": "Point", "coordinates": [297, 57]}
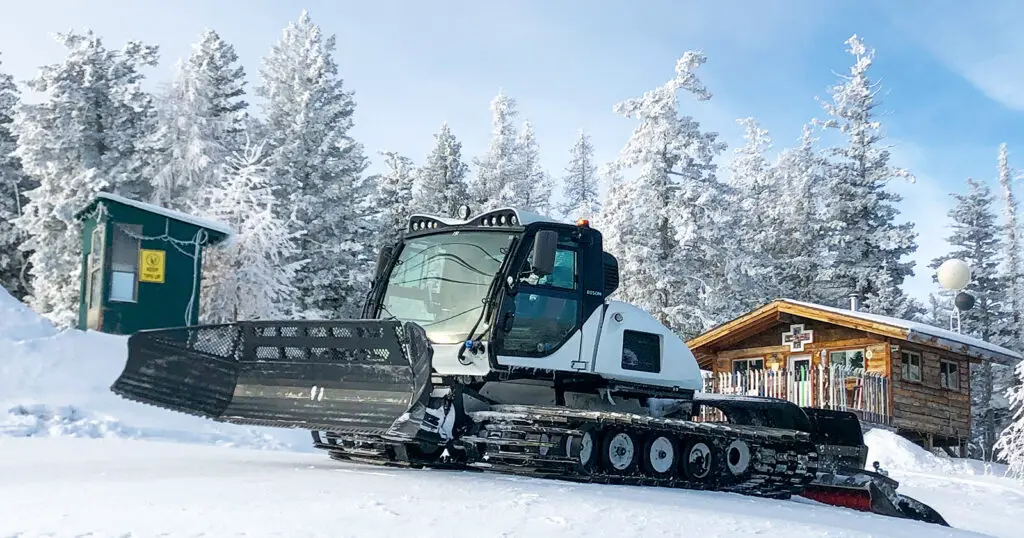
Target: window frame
{"type": "Point", "coordinates": [905, 366]}
{"type": "Point", "coordinates": [748, 361]}
{"type": "Point", "coordinates": [844, 351]}
{"type": "Point", "coordinates": [945, 376]}
{"type": "Point", "coordinates": [133, 233]}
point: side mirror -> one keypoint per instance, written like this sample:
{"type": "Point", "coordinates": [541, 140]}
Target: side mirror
{"type": "Point", "coordinates": [545, 243]}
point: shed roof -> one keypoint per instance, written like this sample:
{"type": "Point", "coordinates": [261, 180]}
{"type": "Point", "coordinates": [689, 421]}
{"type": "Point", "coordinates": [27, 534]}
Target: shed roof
{"type": "Point", "coordinates": [910, 331]}
{"type": "Point", "coordinates": [163, 211]}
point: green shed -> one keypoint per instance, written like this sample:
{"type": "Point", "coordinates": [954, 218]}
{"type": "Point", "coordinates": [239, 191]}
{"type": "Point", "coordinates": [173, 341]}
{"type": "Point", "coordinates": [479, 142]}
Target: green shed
{"type": "Point", "coordinates": [141, 265]}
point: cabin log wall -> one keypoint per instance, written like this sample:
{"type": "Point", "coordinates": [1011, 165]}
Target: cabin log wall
{"type": "Point", "coordinates": [926, 407]}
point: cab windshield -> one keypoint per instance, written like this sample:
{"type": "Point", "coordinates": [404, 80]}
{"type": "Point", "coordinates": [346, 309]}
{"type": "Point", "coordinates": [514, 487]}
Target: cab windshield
{"type": "Point", "coordinates": [440, 281]}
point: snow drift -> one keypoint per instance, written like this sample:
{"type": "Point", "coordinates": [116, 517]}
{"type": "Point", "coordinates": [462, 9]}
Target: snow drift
{"type": "Point", "coordinates": [57, 383]}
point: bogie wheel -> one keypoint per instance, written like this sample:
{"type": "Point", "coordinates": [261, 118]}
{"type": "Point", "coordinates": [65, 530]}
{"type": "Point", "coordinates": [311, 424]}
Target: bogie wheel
{"type": "Point", "coordinates": [621, 452]}
{"type": "Point", "coordinates": [584, 448]}
{"type": "Point", "coordinates": [661, 456]}
{"type": "Point", "coordinates": [698, 461]}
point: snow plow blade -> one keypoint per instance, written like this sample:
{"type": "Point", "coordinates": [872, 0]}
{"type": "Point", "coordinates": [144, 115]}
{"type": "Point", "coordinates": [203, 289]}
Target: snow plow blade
{"type": "Point", "coordinates": [867, 491]}
{"type": "Point", "coordinates": [843, 479]}
{"type": "Point", "coordinates": [365, 376]}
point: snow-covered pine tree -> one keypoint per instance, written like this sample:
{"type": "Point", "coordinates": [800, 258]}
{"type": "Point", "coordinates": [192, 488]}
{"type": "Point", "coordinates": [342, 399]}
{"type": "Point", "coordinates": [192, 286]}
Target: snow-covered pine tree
{"type": "Point", "coordinates": [495, 170]}
{"type": "Point", "coordinates": [1014, 270]}
{"type": "Point", "coordinates": [440, 186]}
{"type": "Point", "coordinates": [975, 240]}
{"type": "Point", "coordinates": [13, 185]}
{"type": "Point", "coordinates": [800, 174]}
{"type": "Point", "coordinates": [615, 219]}
{"type": "Point", "coordinates": [250, 277]}
{"type": "Point", "coordinates": [1010, 446]}
{"type": "Point", "coordinates": [82, 138]}
{"type": "Point", "coordinates": [580, 182]}
{"type": "Point", "coordinates": [394, 196]}
{"type": "Point", "coordinates": [530, 186]}
{"type": "Point", "coordinates": [866, 243]}
{"type": "Point", "coordinates": [316, 168]}
{"type": "Point", "coordinates": [667, 217]}
{"type": "Point", "coordinates": [202, 118]}
{"type": "Point", "coordinates": [940, 308]}
{"type": "Point", "coordinates": [759, 208]}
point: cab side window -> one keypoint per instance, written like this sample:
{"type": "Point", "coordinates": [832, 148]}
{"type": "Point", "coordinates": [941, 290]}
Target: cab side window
{"type": "Point", "coordinates": [565, 276]}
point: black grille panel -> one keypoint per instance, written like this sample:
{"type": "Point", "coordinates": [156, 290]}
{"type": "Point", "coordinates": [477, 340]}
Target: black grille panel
{"type": "Point", "coordinates": [329, 375]}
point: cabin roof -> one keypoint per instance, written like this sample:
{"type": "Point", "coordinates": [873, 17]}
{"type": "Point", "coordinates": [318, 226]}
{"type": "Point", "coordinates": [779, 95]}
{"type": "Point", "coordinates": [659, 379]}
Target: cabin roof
{"type": "Point", "coordinates": [767, 316]}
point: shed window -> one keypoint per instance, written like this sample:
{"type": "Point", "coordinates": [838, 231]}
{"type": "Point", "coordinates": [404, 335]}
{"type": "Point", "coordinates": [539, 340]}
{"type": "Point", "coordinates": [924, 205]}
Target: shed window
{"type": "Point", "coordinates": [124, 262]}
{"type": "Point", "coordinates": [743, 365]}
{"type": "Point", "coordinates": [911, 368]}
{"type": "Point", "coordinates": [949, 375]}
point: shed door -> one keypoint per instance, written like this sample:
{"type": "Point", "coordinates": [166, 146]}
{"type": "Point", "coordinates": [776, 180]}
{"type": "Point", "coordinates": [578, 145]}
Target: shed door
{"type": "Point", "coordinates": [800, 379]}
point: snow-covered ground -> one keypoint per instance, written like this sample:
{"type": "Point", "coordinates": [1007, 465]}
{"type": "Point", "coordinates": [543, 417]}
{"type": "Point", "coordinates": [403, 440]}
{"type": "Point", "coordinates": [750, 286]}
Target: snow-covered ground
{"type": "Point", "coordinates": [75, 460]}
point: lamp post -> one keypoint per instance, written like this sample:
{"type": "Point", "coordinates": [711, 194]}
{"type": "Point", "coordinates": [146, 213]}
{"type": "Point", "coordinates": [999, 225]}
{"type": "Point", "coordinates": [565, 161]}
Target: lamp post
{"type": "Point", "coordinates": [955, 275]}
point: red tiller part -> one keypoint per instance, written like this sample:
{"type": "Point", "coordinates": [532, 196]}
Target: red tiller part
{"type": "Point", "coordinates": [857, 499]}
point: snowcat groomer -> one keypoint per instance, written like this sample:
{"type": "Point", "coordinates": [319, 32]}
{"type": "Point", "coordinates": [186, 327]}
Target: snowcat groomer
{"type": "Point", "coordinates": [489, 342]}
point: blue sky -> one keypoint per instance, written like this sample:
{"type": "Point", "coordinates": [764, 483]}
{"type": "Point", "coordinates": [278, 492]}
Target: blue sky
{"type": "Point", "coordinates": [953, 81]}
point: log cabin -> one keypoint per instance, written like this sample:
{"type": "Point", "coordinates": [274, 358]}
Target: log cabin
{"type": "Point", "coordinates": [896, 374]}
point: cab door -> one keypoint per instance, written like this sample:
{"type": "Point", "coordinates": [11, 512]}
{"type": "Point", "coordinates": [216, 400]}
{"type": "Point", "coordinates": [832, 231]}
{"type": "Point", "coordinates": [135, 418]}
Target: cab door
{"type": "Point", "coordinates": [539, 321]}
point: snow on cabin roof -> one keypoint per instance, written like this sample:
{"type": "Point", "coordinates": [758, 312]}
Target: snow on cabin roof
{"type": "Point", "coordinates": [900, 329]}
{"type": "Point", "coordinates": [912, 327]}
{"type": "Point", "coordinates": [170, 213]}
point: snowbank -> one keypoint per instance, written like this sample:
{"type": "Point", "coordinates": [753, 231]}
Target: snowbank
{"type": "Point", "coordinates": [897, 453]}
{"type": "Point", "coordinates": [18, 322]}
{"type": "Point", "coordinates": [57, 383]}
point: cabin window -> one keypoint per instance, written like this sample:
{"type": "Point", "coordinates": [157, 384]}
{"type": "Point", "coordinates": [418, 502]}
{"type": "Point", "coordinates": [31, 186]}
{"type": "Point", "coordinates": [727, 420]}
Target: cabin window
{"type": "Point", "coordinates": [949, 375]}
{"type": "Point", "coordinates": [744, 365]}
{"type": "Point", "coordinates": [849, 359]}
{"type": "Point", "coordinates": [124, 262]}
{"type": "Point", "coordinates": [911, 368]}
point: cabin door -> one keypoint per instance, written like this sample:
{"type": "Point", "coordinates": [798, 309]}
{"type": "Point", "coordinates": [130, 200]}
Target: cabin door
{"type": "Point", "coordinates": [800, 379]}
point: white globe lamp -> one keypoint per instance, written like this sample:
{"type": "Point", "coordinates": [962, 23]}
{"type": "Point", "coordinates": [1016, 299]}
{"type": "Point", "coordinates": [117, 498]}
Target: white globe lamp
{"type": "Point", "coordinates": [954, 274]}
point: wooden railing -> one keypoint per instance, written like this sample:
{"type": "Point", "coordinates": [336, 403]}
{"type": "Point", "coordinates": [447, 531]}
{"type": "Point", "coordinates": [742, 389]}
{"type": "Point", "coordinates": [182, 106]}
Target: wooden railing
{"type": "Point", "coordinates": [824, 387]}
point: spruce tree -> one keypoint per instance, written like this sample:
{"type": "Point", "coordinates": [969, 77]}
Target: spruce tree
{"type": "Point", "coordinates": [975, 240]}
{"type": "Point", "coordinates": [668, 218]}
{"type": "Point", "coordinates": [394, 196]}
{"type": "Point", "coordinates": [1014, 270]}
{"type": "Point", "coordinates": [250, 277]}
{"type": "Point", "coordinates": [493, 184]}
{"type": "Point", "coordinates": [440, 186]}
{"type": "Point", "coordinates": [13, 185]}
{"type": "Point", "coordinates": [316, 167]}
{"type": "Point", "coordinates": [580, 182]}
{"type": "Point", "coordinates": [1010, 446]}
{"type": "Point", "coordinates": [800, 175]}
{"type": "Point", "coordinates": [758, 208]}
{"type": "Point", "coordinates": [866, 245]}
{"type": "Point", "coordinates": [201, 123]}
{"type": "Point", "coordinates": [82, 138]}
{"type": "Point", "coordinates": [530, 186]}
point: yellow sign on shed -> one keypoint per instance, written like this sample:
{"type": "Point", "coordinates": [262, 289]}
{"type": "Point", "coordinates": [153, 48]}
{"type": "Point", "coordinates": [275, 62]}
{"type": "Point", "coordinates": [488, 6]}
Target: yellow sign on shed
{"type": "Point", "coordinates": [151, 265]}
